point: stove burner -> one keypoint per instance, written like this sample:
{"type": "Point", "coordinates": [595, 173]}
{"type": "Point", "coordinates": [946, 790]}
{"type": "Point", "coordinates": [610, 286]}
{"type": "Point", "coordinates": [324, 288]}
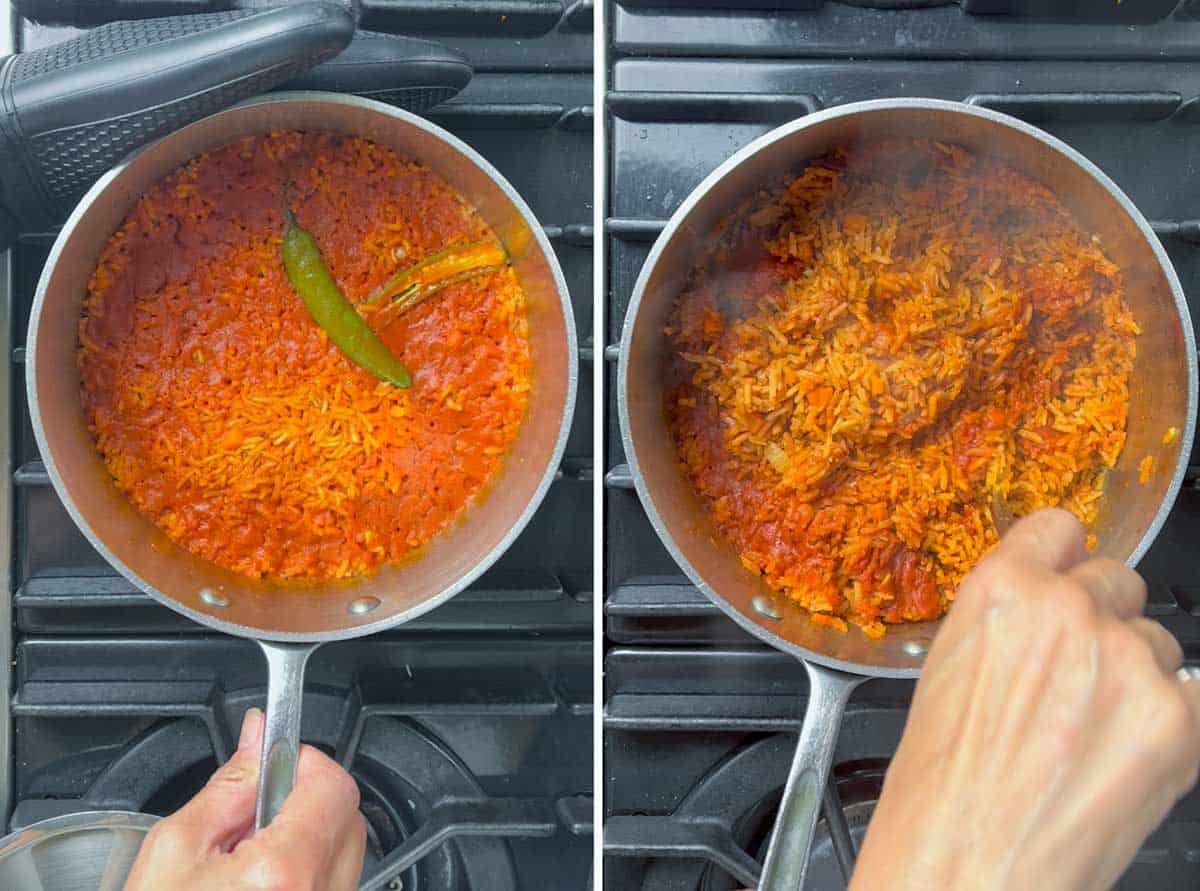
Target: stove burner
{"type": "Point", "coordinates": [858, 785]}
{"type": "Point", "coordinates": [824, 874]}
{"type": "Point", "coordinates": [858, 782]}
{"type": "Point", "coordinates": [725, 822]}
{"type": "Point", "coordinates": [404, 774]}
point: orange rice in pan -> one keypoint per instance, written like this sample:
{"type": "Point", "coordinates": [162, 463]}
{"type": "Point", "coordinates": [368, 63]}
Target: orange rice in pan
{"type": "Point", "coordinates": [873, 352]}
{"type": "Point", "coordinates": [225, 413]}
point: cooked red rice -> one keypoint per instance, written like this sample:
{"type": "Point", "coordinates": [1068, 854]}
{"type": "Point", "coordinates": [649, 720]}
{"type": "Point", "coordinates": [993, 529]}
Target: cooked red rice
{"type": "Point", "coordinates": [872, 352]}
{"type": "Point", "coordinates": [230, 419]}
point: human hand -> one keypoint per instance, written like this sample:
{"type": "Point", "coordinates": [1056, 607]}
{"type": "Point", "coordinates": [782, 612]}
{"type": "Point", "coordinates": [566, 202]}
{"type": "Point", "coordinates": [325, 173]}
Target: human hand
{"type": "Point", "coordinates": [314, 844]}
{"type": "Point", "coordinates": [1049, 733]}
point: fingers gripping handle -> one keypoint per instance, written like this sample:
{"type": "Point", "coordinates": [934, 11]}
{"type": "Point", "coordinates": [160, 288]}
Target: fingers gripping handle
{"type": "Point", "coordinates": [281, 728]}
{"type": "Point", "coordinates": [791, 839]}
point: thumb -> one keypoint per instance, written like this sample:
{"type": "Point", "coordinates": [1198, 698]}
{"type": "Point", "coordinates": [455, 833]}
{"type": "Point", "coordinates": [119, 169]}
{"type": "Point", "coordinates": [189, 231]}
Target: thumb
{"type": "Point", "coordinates": [223, 811]}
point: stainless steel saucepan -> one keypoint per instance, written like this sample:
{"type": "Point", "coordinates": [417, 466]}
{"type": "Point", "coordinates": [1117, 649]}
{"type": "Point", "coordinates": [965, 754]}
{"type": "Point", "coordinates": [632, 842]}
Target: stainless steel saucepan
{"type": "Point", "coordinates": [1163, 395]}
{"type": "Point", "coordinates": [289, 621]}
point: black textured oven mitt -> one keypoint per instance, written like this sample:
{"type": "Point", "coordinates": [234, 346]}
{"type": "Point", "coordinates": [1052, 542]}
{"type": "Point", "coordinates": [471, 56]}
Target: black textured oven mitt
{"type": "Point", "coordinates": [71, 111]}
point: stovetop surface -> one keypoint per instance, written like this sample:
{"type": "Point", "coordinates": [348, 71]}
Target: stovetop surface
{"type": "Point", "coordinates": [478, 712]}
{"type": "Point", "coordinates": [440, 733]}
{"type": "Point", "coordinates": [697, 744]}
{"type": "Point", "coordinates": [689, 84]}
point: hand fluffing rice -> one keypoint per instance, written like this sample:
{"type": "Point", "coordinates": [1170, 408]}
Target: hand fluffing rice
{"type": "Point", "coordinates": [876, 353]}
{"type": "Point", "coordinates": [227, 415]}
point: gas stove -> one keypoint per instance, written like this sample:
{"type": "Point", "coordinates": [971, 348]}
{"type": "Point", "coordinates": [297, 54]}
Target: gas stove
{"type": "Point", "coordinates": [472, 756]}
{"type": "Point", "coordinates": [469, 729]}
{"type": "Point", "coordinates": [697, 744]}
{"type": "Point", "coordinates": [700, 719]}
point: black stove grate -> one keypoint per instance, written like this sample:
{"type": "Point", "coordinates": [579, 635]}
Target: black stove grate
{"type": "Point", "coordinates": [469, 729]}
{"type": "Point", "coordinates": [697, 744]}
{"type": "Point", "coordinates": [688, 85]}
{"type": "Point", "coordinates": [469, 742]}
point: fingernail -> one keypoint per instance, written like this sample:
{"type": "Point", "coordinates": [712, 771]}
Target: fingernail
{"type": "Point", "coordinates": [251, 727]}
{"type": "Point", "coordinates": [1188, 674]}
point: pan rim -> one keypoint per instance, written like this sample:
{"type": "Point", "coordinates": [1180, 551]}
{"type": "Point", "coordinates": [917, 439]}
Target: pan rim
{"type": "Point", "coordinates": [680, 215]}
{"type": "Point", "coordinates": [457, 585]}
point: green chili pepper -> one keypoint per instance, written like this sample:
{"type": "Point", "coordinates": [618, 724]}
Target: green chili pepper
{"type": "Point", "coordinates": [331, 310]}
{"type": "Point", "coordinates": [407, 288]}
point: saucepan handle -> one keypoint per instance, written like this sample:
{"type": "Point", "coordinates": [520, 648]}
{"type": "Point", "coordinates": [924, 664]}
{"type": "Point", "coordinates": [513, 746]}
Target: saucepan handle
{"type": "Point", "coordinates": [787, 854]}
{"type": "Point", "coordinates": [281, 728]}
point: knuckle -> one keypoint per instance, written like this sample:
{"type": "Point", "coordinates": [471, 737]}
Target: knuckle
{"type": "Point", "coordinates": [1126, 647]}
{"type": "Point", "coordinates": [1052, 527]}
{"type": "Point", "coordinates": [1119, 573]}
{"type": "Point", "coordinates": [1056, 523]}
{"type": "Point", "coordinates": [992, 574]}
{"type": "Point", "coordinates": [234, 773]}
{"type": "Point", "coordinates": [1068, 601]}
{"type": "Point", "coordinates": [1101, 566]}
{"type": "Point", "coordinates": [314, 759]}
{"type": "Point", "coordinates": [1001, 580]}
{"type": "Point", "coordinates": [1098, 574]}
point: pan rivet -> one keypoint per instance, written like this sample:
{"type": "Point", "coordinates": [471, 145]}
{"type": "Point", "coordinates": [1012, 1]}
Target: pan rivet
{"type": "Point", "coordinates": [916, 647]}
{"type": "Point", "coordinates": [764, 607]}
{"type": "Point", "coordinates": [212, 598]}
{"type": "Point", "coordinates": [363, 605]}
